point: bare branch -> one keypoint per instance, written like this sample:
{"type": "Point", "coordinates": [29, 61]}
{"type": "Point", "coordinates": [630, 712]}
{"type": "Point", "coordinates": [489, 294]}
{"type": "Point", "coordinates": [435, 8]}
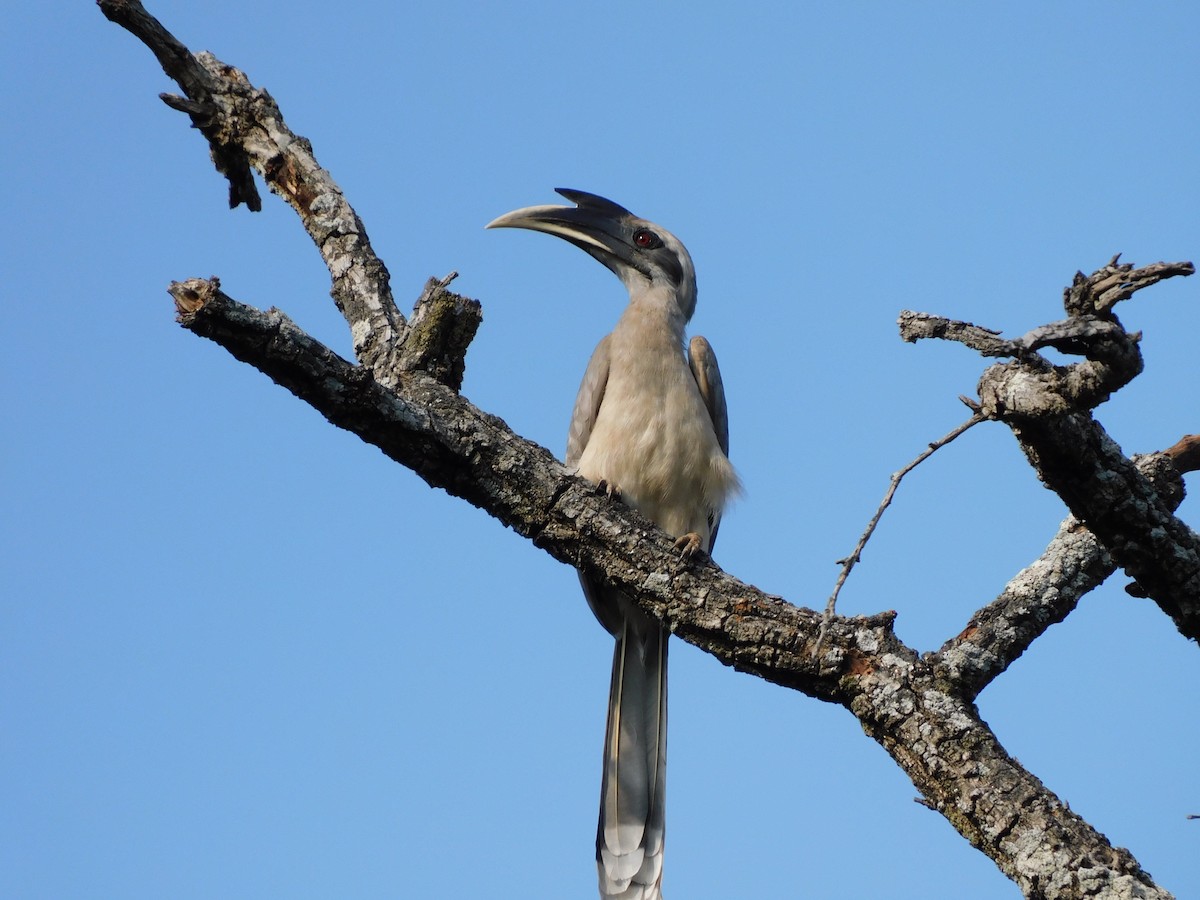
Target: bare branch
{"type": "Point", "coordinates": [437, 433]}
{"type": "Point", "coordinates": [1041, 595]}
{"type": "Point", "coordinates": [1036, 388]}
{"type": "Point", "coordinates": [905, 703]}
{"type": "Point", "coordinates": [850, 561]}
{"type": "Point", "coordinates": [403, 400]}
{"type": "Point", "coordinates": [1098, 293]}
{"type": "Point", "coordinates": [200, 87]}
{"type": "Point", "coordinates": [245, 130]}
{"type": "Point", "coordinates": [915, 326]}
{"type": "Point", "coordinates": [1186, 453]}
{"type": "Point", "coordinates": [1047, 409]}
{"type": "Point", "coordinates": [442, 326]}
{"type": "Point", "coordinates": [1076, 458]}
{"type": "Point", "coordinates": [1083, 336]}
{"type": "Point", "coordinates": [1003, 810]}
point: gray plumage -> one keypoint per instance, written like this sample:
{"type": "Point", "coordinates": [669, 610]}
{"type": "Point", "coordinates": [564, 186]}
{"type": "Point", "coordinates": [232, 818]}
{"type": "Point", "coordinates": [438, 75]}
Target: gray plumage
{"type": "Point", "coordinates": [650, 423]}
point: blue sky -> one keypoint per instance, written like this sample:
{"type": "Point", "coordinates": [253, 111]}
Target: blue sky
{"type": "Point", "coordinates": [244, 655]}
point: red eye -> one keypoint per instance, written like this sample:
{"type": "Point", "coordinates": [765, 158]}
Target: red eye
{"type": "Point", "coordinates": [647, 240]}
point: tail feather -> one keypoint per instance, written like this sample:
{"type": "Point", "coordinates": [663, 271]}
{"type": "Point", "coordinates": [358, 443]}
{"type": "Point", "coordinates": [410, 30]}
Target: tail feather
{"type": "Point", "coordinates": [629, 837]}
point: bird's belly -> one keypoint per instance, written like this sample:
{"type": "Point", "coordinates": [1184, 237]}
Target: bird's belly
{"type": "Point", "coordinates": [662, 455]}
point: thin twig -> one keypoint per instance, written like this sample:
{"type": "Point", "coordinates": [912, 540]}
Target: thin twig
{"type": "Point", "coordinates": [850, 561]}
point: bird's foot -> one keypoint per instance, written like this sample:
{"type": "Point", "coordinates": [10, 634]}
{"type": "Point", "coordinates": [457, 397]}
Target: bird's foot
{"type": "Point", "coordinates": [608, 489]}
{"type": "Point", "coordinates": [689, 545]}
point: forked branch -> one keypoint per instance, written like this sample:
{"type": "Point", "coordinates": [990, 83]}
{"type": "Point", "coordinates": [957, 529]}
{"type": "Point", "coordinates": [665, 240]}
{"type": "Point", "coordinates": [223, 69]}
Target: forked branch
{"type": "Point", "coordinates": [402, 397]}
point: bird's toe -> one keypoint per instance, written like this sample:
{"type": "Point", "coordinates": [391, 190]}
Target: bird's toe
{"type": "Point", "coordinates": [689, 545]}
{"type": "Point", "coordinates": [610, 490]}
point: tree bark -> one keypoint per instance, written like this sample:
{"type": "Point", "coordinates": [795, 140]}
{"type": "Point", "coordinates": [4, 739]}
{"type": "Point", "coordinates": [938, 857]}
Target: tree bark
{"type": "Point", "coordinates": [402, 396]}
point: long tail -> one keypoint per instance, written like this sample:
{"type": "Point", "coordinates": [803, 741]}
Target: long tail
{"type": "Point", "coordinates": [629, 838]}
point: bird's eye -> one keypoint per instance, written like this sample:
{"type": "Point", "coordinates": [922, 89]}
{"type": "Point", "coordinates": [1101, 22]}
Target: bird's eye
{"type": "Point", "coordinates": [647, 239]}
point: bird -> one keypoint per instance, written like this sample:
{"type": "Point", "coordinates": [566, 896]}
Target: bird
{"type": "Point", "coordinates": [650, 427]}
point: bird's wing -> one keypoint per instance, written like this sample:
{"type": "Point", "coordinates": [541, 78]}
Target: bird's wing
{"type": "Point", "coordinates": [708, 378]}
{"type": "Point", "coordinates": [587, 402]}
{"type": "Point", "coordinates": [583, 420]}
{"type": "Point", "coordinates": [703, 363]}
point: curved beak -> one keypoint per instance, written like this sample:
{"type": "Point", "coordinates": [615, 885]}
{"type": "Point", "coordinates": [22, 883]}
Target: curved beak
{"type": "Point", "coordinates": [594, 225]}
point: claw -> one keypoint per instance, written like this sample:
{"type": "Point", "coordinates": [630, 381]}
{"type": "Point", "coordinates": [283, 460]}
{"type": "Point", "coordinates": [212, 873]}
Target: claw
{"type": "Point", "coordinates": [689, 545]}
{"type": "Point", "coordinates": [610, 490]}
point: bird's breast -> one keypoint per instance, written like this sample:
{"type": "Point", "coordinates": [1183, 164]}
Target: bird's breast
{"type": "Point", "coordinates": [653, 438]}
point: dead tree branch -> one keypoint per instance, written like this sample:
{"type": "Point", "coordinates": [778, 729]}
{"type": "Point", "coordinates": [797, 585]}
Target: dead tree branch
{"type": "Point", "coordinates": [245, 131]}
{"type": "Point", "coordinates": [1042, 594]}
{"type": "Point", "coordinates": [855, 555]}
{"type": "Point", "coordinates": [1049, 407]}
{"type": "Point", "coordinates": [932, 731]}
{"type": "Point", "coordinates": [1185, 453]}
{"type": "Point", "coordinates": [402, 396]}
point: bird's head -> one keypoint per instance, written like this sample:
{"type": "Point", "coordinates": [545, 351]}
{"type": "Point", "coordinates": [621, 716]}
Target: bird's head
{"type": "Point", "coordinates": [643, 255]}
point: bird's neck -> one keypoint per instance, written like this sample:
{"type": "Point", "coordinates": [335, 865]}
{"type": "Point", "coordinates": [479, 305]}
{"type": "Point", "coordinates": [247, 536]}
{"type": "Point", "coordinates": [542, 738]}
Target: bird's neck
{"type": "Point", "coordinates": [655, 309]}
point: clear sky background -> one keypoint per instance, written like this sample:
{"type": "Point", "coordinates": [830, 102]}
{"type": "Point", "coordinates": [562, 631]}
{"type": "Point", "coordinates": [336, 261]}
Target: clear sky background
{"type": "Point", "coordinates": [243, 655]}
